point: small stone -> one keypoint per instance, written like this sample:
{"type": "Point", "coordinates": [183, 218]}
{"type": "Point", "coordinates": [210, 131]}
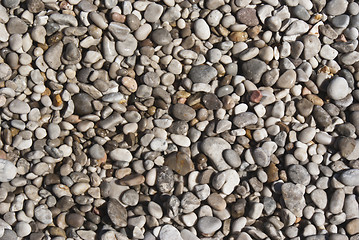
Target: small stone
{"type": "Point", "coordinates": [211, 101]}
{"type": "Point", "coordinates": [293, 198]}
{"type": "Point", "coordinates": [53, 55]}
{"type": "Point", "coordinates": [244, 119]}
{"type": "Point", "coordinates": [183, 112]}
{"type": "Point", "coordinates": [298, 174]}
{"type": "Point", "coordinates": [248, 16]}
{"type": "Point", "coordinates": [312, 46]}
{"type": "Point", "coordinates": [11, 3]}
{"type": "Point", "coordinates": [202, 74]}
{"type": "Point", "coordinates": [43, 214]}
{"type": "Point", "coordinates": [117, 213]}
{"type": "Point", "coordinates": [120, 154]}
{"type": "Point", "coordinates": [22, 229]}
{"type": "Point", "coordinates": [19, 107]}
{"type": "Point", "coordinates": [155, 210]}
{"type": "Point", "coordinates": [74, 220]}
{"type": "Point", "coordinates": [189, 202]}
{"type": "Point", "coordinates": [336, 7]}
{"type": "Point", "coordinates": [346, 146]}
{"type": "Point", "coordinates": [213, 148]}
{"type": "Point", "coordinates": [338, 88]}
{"type": "Point", "coordinates": [208, 225]}
{"type": "Point", "coordinates": [127, 48]}
{"type": "Point", "coordinates": [169, 232]}
{"type": "Point", "coordinates": [5, 71]}
{"type": "Point", "coordinates": [159, 144]}
{"type": "Point", "coordinates": [153, 12]}
{"type": "Point", "coordinates": [319, 197]}
{"type": "Point", "coordinates": [179, 162]}
{"type": "Point", "coordinates": [201, 29]}
{"type": "Point", "coordinates": [8, 170]}
{"type": "Point", "coordinates": [287, 79]}
{"type": "Point", "coordinates": [216, 201]}
{"type": "Point", "coordinates": [254, 69]}
{"type": "Point", "coordinates": [165, 179]}
{"type": "Point", "coordinates": [96, 152]}
{"type": "Point", "coordinates": [130, 197]}
{"type": "Point", "coordinates": [352, 227]}
{"type": "Point", "coordinates": [83, 105]}
{"type": "Point", "coordinates": [350, 177]}
{"type": "Point", "coordinates": [260, 157]}
{"type": "Point", "coordinates": [35, 6]}
{"type": "Point", "coordinates": [161, 36]}
{"type": "Point", "coordinates": [238, 36]}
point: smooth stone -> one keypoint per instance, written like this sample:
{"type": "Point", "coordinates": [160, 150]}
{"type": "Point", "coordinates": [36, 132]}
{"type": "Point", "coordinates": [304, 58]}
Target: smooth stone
{"type": "Point", "coordinates": [8, 170]}
{"type": "Point", "coordinates": [179, 162]}
{"type": "Point", "coordinates": [337, 201]}
{"type": "Point", "coordinates": [211, 101]}
{"type": "Point", "coordinates": [9, 235]}
{"type": "Point", "coordinates": [165, 179]}
{"type": "Point", "coordinates": [161, 36]}
{"type": "Point", "coordinates": [130, 197]}
{"type": "Point", "coordinates": [244, 119]}
{"type": "Point", "coordinates": [254, 69]}
{"type": "Point", "coordinates": [261, 157]}
{"type": "Point", "coordinates": [202, 74]}
{"type": "Point", "coordinates": [127, 47]}
{"type": "Point", "coordinates": [352, 227]}
{"type": "Point", "coordinates": [201, 29]}
{"type": "Point", "coordinates": [119, 31]}
{"type": "Point", "coordinates": [43, 214]}
{"type": "Point", "coordinates": [293, 198]}
{"type": "Point", "coordinates": [336, 7]}
{"type": "Point", "coordinates": [155, 210]}
{"type": "Point", "coordinates": [153, 12]}
{"type": "Point", "coordinates": [19, 107]}
{"type": "Point", "coordinates": [35, 6]}
{"type": "Point", "coordinates": [232, 158]}
{"type": "Point", "coordinates": [120, 154]}
{"type": "Point", "coordinates": [117, 213]}
{"type": "Point", "coordinates": [297, 27]}
{"type": "Point", "coordinates": [248, 16]}
{"type": "Point", "coordinates": [16, 25]}
{"type": "Point", "coordinates": [169, 232]}
{"type": "Point", "coordinates": [350, 177]}
{"type": "Point", "coordinates": [208, 225]}
{"type": "Point", "coordinates": [346, 146]}
{"type": "Point", "coordinates": [96, 151]}
{"type": "Point", "coordinates": [159, 144]}
{"type": "Point", "coordinates": [213, 147]}
{"type": "Point", "coordinates": [312, 46]}
{"type": "Point", "coordinates": [216, 201]}
{"type": "Point", "coordinates": [53, 55]}
{"type": "Point", "coordinates": [338, 88]}
{"type": "Point", "coordinates": [83, 104]}
{"type": "Point", "coordinates": [299, 174]}
{"type": "Point", "coordinates": [5, 71]}
{"type": "Point", "coordinates": [319, 197]}
{"type": "Point", "coordinates": [183, 112]}
{"type": "Point", "coordinates": [287, 79]}
{"type": "Point", "coordinates": [74, 220]}
{"type": "Point", "coordinates": [22, 229]}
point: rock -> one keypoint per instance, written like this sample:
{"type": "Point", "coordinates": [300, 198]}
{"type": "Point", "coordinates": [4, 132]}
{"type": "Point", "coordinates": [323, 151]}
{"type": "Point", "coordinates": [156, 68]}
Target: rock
{"type": "Point", "coordinates": [352, 227]}
{"type": "Point", "coordinates": [117, 213]}
{"type": "Point", "coordinates": [287, 79]}
{"type": "Point", "coordinates": [96, 152]}
{"type": "Point", "coordinates": [161, 36]}
{"type": "Point", "coordinates": [254, 69]}
{"type": "Point", "coordinates": [119, 30]}
{"type": "Point", "coordinates": [211, 101]}
{"type": "Point", "coordinates": [312, 46]}
{"type": "Point", "coordinates": [74, 220]}
{"type": "Point", "coordinates": [213, 147]}
{"type": "Point", "coordinates": [165, 179]}
{"type": "Point", "coordinates": [248, 16]}
{"type": "Point", "coordinates": [208, 225]}
{"type": "Point", "coordinates": [299, 174]}
{"type": "Point", "coordinates": [16, 25]}
{"type": "Point", "coordinates": [216, 201]}
{"type": "Point", "coordinates": [153, 12]}
{"type": "Point", "coordinates": [202, 74]}
{"type": "Point", "coordinates": [261, 157]}
{"type": "Point", "coordinates": [130, 197]}
{"type": "Point", "coordinates": [293, 198]}
{"type": "Point", "coordinates": [336, 7]}
{"type": "Point", "coordinates": [346, 146]}
{"type": "Point", "coordinates": [127, 47]}
{"type": "Point", "coordinates": [5, 71]}
{"type": "Point", "coordinates": [22, 229]}
{"type": "Point", "coordinates": [169, 232]}
{"type": "Point", "coordinates": [337, 201]}
{"type": "Point", "coordinates": [338, 88]}
{"type": "Point", "coordinates": [232, 158]}
{"type": "Point", "coordinates": [35, 6]}
{"type": "Point", "coordinates": [183, 112]}
{"type": "Point", "coordinates": [43, 214]}
{"type": "Point", "coordinates": [8, 170]}
{"type": "Point", "coordinates": [350, 177]}
{"type": "Point", "coordinates": [120, 154]}
{"type": "Point", "coordinates": [159, 144]}
{"type": "Point", "coordinates": [179, 162]}
{"type": "Point", "coordinates": [322, 118]}
{"type": "Point", "coordinates": [9, 235]}
{"type": "Point", "coordinates": [244, 119]}
{"type": "Point", "coordinates": [53, 55]}
{"type": "Point", "coordinates": [83, 105]}
{"type": "Point", "coordinates": [19, 107]}
{"type": "Point", "coordinates": [298, 27]}
{"type": "Point", "coordinates": [201, 29]}
{"type": "Point", "coordinates": [319, 197]}
{"type": "Point", "coordinates": [189, 202]}
{"type": "Point", "coordinates": [155, 210]}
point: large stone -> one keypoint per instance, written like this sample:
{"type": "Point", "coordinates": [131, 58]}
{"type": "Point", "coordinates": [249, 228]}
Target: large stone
{"type": "Point", "coordinates": [293, 198]}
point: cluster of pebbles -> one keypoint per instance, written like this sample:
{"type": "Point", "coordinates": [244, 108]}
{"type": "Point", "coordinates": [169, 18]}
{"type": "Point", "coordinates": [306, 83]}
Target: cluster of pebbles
{"type": "Point", "coordinates": [179, 119]}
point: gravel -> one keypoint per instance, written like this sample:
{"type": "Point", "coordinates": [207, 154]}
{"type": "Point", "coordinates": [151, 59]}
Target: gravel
{"type": "Point", "coordinates": [179, 119]}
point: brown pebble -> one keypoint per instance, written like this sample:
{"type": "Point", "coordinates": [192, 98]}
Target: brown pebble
{"type": "Point", "coordinates": [315, 99]}
{"type": "Point", "coordinates": [238, 36]}
{"type": "Point", "coordinates": [272, 172]}
{"type": "Point", "coordinates": [118, 17]}
{"type": "Point", "coordinates": [132, 180]}
{"type": "Point", "coordinates": [57, 100]}
{"type": "Point", "coordinates": [256, 96]}
{"type": "Point", "coordinates": [216, 201]}
{"type": "Point", "coordinates": [121, 173]}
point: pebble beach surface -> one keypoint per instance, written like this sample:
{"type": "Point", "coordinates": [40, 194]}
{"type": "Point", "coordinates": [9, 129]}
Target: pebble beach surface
{"type": "Point", "coordinates": [179, 119]}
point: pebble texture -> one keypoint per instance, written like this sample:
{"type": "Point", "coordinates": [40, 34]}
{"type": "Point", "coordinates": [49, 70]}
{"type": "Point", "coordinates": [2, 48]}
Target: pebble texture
{"type": "Point", "coordinates": [179, 119]}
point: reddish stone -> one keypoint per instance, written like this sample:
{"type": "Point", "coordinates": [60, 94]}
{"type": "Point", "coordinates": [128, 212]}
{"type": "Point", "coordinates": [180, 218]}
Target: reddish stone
{"type": "Point", "coordinates": [256, 96]}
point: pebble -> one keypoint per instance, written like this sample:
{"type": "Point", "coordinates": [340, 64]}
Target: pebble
{"type": "Point", "coordinates": [168, 231]}
{"type": "Point", "coordinates": [117, 213]}
{"type": "Point", "coordinates": [202, 74]}
{"type": "Point", "coordinates": [208, 225]}
{"type": "Point", "coordinates": [213, 147]}
{"type": "Point", "coordinates": [19, 107]}
{"type": "Point", "coordinates": [183, 112]}
{"type": "Point", "coordinates": [293, 198]}
{"type": "Point", "coordinates": [334, 86]}
{"type": "Point", "coordinates": [350, 177]}
{"type": "Point", "coordinates": [8, 171]}
{"type": "Point", "coordinates": [201, 29]}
